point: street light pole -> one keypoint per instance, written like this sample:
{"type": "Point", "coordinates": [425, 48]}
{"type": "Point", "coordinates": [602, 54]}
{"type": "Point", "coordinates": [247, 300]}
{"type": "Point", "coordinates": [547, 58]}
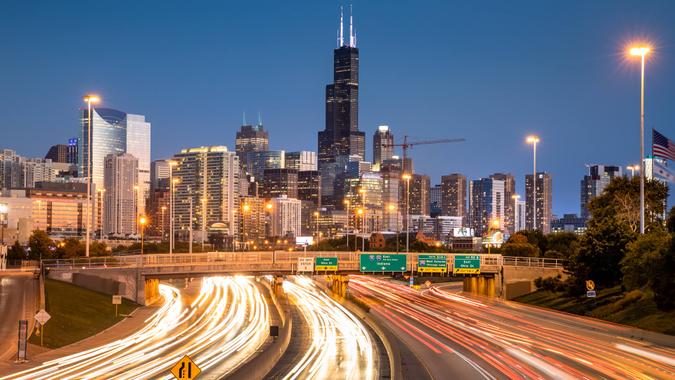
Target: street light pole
{"type": "Point", "coordinates": [89, 99]}
{"type": "Point", "coordinates": [142, 220]}
{"type": "Point", "coordinates": [642, 53]}
{"type": "Point", "coordinates": [534, 140]}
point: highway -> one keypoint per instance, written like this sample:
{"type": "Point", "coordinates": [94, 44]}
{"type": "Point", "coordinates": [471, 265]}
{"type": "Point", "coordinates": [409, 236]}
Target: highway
{"type": "Point", "coordinates": [226, 322]}
{"type": "Point", "coordinates": [461, 337]}
{"type": "Point", "coordinates": [340, 345]}
{"type": "Point", "coordinates": [18, 300]}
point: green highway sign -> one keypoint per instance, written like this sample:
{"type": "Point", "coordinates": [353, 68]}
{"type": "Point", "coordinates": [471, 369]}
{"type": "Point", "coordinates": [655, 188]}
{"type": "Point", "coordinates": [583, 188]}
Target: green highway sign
{"type": "Point", "coordinates": [383, 262]}
{"type": "Point", "coordinates": [432, 263]}
{"type": "Point", "coordinates": [466, 264]}
{"type": "Point", "coordinates": [326, 264]}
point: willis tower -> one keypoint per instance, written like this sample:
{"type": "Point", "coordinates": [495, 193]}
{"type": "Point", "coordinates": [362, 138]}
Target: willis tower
{"type": "Point", "coordinates": [341, 141]}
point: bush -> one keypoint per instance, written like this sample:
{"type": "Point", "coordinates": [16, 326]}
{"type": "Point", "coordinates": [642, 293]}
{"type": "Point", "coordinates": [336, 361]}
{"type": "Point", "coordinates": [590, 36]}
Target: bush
{"type": "Point", "coordinates": [552, 284]}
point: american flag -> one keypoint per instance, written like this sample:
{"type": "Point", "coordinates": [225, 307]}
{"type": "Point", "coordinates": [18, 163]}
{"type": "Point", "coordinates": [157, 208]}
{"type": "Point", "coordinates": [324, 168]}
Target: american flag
{"type": "Point", "coordinates": [662, 146]}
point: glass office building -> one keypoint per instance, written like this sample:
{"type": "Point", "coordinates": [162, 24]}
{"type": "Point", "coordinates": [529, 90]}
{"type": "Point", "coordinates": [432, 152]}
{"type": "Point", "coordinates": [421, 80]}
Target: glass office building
{"type": "Point", "coordinates": [108, 136]}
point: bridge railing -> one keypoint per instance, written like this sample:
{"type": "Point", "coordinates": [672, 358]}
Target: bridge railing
{"type": "Point", "coordinates": [272, 259]}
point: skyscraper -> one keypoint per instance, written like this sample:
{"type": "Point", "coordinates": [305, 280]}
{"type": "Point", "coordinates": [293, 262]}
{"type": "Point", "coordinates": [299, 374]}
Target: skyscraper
{"type": "Point", "coordinates": [419, 194]}
{"type": "Point", "coordinates": [509, 205]}
{"type": "Point", "coordinates": [453, 195]}
{"type": "Point", "coordinates": [115, 132]}
{"type": "Point", "coordinates": [72, 150]}
{"type": "Point", "coordinates": [309, 187]}
{"type": "Point", "coordinates": [341, 136]}
{"type": "Point", "coordinates": [120, 206]}
{"type": "Point", "coordinates": [286, 216]}
{"type": "Point", "coordinates": [254, 163]}
{"type": "Point", "coordinates": [544, 197]}
{"type": "Point", "coordinates": [278, 182]}
{"type": "Point", "coordinates": [138, 145]}
{"type": "Point", "coordinates": [383, 148]}
{"type": "Point", "coordinates": [207, 178]}
{"type": "Point", "coordinates": [251, 138]}
{"type": "Point", "coordinates": [302, 161]}
{"type": "Point", "coordinates": [108, 136]}
{"type": "Point", "coordinates": [159, 174]}
{"type": "Point", "coordinates": [520, 215]}
{"type": "Point", "coordinates": [599, 176]}
{"type": "Point", "coordinates": [58, 153]}
{"type": "Point", "coordinates": [486, 204]}
{"type": "Point", "coordinates": [435, 200]}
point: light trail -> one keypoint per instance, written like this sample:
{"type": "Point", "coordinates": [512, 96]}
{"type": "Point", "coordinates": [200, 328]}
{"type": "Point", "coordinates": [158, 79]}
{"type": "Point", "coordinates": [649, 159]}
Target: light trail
{"type": "Point", "coordinates": [513, 340]}
{"type": "Point", "coordinates": [226, 323]}
{"type": "Point", "coordinates": [341, 347]}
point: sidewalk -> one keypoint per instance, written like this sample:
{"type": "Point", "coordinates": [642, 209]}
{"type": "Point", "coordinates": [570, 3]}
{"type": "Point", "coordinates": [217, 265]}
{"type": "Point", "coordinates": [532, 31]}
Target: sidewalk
{"type": "Point", "coordinates": [38, 355]}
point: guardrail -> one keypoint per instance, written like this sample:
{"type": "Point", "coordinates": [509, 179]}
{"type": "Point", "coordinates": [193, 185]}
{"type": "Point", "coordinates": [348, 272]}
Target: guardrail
{"type": "Point", "coordinates": [269, 260]}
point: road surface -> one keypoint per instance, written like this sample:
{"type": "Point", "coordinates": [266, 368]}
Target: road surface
{"type": "Point", "coordinates": [340, 345]}
{"type": "Point", "coordinates": [225, 323]}
{"type": "Point", "coordinates": [461, 337]}
{"type": "Point", "coordinates": [18, 300]}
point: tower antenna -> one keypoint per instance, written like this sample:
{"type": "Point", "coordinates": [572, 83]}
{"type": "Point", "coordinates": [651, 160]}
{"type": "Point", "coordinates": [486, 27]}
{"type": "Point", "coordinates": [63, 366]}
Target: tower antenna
{"type": "Point", "coordinates": [352, 41]}
{"type": "Point", "coordinates": [342, 40]}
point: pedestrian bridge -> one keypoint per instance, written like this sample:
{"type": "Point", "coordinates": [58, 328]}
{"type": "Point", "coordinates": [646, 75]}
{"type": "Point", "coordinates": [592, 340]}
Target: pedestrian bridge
{"type": "Point", "coordinates": [131, 272]}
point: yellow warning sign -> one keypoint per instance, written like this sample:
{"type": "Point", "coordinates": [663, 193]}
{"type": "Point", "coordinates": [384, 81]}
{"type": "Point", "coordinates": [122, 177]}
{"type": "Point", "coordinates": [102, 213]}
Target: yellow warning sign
{"type": "Point", "coordinates": [185, 369]}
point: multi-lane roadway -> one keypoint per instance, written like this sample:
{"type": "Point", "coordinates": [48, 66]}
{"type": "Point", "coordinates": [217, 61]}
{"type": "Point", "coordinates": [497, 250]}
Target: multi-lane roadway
{"type": "Point", "coordinates": [225, 323]}
{"type": "Point", "coordinates": [460, 337]}
{"type": "Point", "coordinates": [18, 300]}
{"type": "Point", "coordinates": [221, 322]}
{"type": "Point", "coordinates": [340, 345]}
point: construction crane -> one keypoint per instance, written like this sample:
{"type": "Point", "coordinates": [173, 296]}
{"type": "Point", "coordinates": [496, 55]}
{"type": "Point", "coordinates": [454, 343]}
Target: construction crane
{"type": "Point", "coordinates": [409, 144]}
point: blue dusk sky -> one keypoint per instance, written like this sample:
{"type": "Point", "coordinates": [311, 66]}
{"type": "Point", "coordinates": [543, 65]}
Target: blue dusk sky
{"type": "Point", "coordinates": [488, 71]}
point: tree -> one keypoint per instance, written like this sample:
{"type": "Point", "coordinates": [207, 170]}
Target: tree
{"type": "Point", "coordinates": [561, 245]}
{"type": "Point", "coordinates": [640, 266]}
{"type": "Point", "coordinates": [670, 221]}
{"type": "Point", "coordinates": [98, 248]}
{"type": "Point", "coordinates": [40, 245]}
{"type": "Point", "coordinates": [16, 252]}
{"type": "Point", "coordinates": [70, 248]}
{"type": "Point", "coordinates": [536, 238]}
{"type": "Point", "coordinates": [519, 245]}
{"type": "Point", "coordinates": [663, 283]}
{"type": "Point", "coordinates": [614, 223]}
{"type": "Point", "coordinates": [620, 200]}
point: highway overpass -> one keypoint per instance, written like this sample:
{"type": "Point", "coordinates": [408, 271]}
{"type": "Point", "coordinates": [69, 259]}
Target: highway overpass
{"type": "Point", "coordinates": [136, 277]}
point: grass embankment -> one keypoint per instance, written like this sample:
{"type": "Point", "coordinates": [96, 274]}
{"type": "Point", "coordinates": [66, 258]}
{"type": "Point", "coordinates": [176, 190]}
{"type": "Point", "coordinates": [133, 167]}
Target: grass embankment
{"type": "Point", "coordinates": [77, 313]}
{"type": "Point", "coordinates": [634, 308]}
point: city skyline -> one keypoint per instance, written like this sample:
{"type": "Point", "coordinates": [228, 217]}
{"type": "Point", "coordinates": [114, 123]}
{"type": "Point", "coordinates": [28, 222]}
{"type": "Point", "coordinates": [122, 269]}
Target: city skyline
{"type": "Point", "coordinates": [574, 131]}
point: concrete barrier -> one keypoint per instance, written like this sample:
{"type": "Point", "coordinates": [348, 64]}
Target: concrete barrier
{"type": "Point", "coordinates": [262, 363]}
{"type": "Point", "coordinates": [97, 284]}
{"type": "Point", "coordinates": [517, 288]}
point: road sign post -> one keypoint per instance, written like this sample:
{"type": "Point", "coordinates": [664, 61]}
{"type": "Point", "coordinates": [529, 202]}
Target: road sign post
{"type": "Point", "coordinates": [432, 264]}
{"type": "Point", "coordinates": [23, 337]}
{"type": "Point", "coordinates": [466, 264]}
{"type": "Point", "coordinates": [42, 317]}
{"type": "Point", "coordinates": [116, 300]}
{"type": "Point", "coordinates": [590, 289]}
{"type": "Point", "coordinates": [185, 369]}
{"type": "Point", "coordinates": [382, 262]}
{"type": "Point", "coordinates": [326, 264]}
